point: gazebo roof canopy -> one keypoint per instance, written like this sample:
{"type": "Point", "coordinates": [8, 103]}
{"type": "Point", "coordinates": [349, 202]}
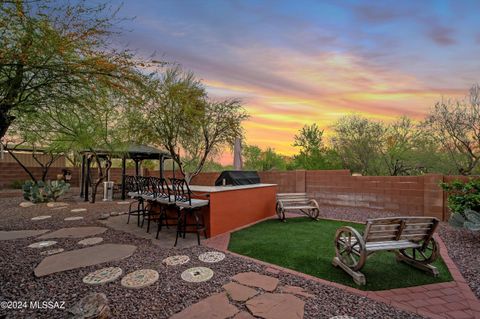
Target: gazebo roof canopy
{"type": "Point", "coordinates": [134, 151]}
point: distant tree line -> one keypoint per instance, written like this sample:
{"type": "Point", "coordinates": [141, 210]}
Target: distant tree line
{"type": "Point", "coordinates": [446, 141]}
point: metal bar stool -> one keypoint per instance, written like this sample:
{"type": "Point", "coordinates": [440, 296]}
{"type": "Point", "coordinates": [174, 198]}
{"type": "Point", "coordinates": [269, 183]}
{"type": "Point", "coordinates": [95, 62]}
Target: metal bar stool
{"type": "Point", "coordinates": [150, 195]}
{"type": "Point", "coordinates": [134, 191]}
{"type": "Point", "coordinates": [187, 205]}
{"type": "Point", "coordinates": [166, 200]}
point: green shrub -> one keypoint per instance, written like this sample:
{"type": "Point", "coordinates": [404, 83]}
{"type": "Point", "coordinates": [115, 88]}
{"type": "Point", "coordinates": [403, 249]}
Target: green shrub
{"type": "Point", "coordinates": [41, 192]}
{"type": "Point", "coordinates": [464, 203]}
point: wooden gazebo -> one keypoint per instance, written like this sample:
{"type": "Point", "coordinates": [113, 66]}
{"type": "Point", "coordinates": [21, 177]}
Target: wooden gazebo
{"type": "Point", "coordinates": [135, 152]}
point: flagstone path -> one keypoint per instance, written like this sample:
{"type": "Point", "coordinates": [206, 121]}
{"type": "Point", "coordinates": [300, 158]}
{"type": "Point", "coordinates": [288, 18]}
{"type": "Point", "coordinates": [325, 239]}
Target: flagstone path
{"type": "Point", "coordinates": [83, 257]}
{"type": "Point", "coordinates": [74, 232]}
{"type": "Point", "coordinates": [18, 234]}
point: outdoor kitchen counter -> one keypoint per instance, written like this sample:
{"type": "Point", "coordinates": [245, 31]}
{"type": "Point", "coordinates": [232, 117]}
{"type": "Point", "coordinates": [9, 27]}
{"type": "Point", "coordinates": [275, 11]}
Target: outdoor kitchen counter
{"type": "Point", "coordinates": [232, 207]}
{"type": "Point", "coordinates": [215, 189]}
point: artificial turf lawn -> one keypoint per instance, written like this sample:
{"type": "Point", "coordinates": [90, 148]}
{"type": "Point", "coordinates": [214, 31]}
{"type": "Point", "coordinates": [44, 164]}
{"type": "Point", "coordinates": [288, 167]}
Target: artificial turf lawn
{"type": "Point", "coordinates": [307, 246]}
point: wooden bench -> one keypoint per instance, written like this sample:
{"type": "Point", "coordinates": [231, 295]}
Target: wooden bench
{"type": "Point", "coordinates": [410, 238]}
{"type": "Point", "coordinates": [296, 202]}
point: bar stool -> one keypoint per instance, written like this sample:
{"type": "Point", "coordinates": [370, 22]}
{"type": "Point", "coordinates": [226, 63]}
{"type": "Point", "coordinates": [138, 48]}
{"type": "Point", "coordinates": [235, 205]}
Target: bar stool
{"type": "Point", "coordinates": [187, 205]}
{"type": "Point", "coordinates": [134, 191]}
{"type": "Point", "coordinates": [150, 195]}
{"type": "Point", "coordinates": [166, 200]}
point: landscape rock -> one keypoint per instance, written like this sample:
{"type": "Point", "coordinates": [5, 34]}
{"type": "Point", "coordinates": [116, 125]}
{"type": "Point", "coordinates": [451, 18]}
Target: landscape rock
{"type": "Point", "coordinates": [92, 306]}
{"type": "Point", "coordinates": [254, 279]}
{"type": "Point", "coordinates": [17, 234]}
{"type": "Point", "coordinates": [276, 306]}
{"type": "Point", "coordinates": [215, 306]}
{"type": "Point", "coordinates": [243, 315]}
{"type": "Point", "coordinates": [26, 204]}
{"type": "Point", "coordinates": [104, 216]}
{"type": "Point", "coordinates": [239, 292]}
{"type": "Point", "coordinates": [114, 214]}
{"type": "Point", "coordinates": [74, 232]}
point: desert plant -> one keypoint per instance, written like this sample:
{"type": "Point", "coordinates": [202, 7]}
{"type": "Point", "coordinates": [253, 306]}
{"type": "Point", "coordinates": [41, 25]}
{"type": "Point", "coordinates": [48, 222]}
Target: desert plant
{"type": "Point", "coordinates": [470, 219]}
{"type": "Point", "coordinates": [34, 192]}
{"type": "Point", "coordinates": [41, 192]}
{"type": "Point", "coordinates": [464, 203]}
{"type": "Point", "coordinates": [55, 189]}
{"type": "Point", "coordinates": [463, 196]}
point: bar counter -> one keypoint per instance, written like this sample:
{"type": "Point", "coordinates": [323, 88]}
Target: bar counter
{"type": "Point", "coordinates": [232, 207]}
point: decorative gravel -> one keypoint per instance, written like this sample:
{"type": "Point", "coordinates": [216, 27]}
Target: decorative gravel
{"type": "Point", "coordinates": [102, 276]}
{"type": "Point", "coordinates": [211, 257]}
{"type": "Point", "coordinates": [42, 244]}
{"type": "Point", "coordinates": [176, 260]}
{"type": "Point", "coordinates": [169, 295]}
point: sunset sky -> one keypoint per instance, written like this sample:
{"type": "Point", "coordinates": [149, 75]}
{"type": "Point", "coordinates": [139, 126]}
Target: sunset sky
{"type": "Point", "coordinates": [299, 62]}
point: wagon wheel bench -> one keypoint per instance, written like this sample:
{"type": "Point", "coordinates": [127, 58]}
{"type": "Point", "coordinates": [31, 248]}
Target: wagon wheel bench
{"type": "Point", "coordinates": [296, 202]}
{"type": "Point", "coordinates": [410, 238]}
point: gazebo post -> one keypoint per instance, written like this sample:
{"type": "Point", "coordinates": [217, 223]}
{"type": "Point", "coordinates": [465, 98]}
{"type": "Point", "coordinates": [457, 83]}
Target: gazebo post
{"type": "Point", "coordinates": [87, 178]}
{"type": "Point", "coordinates": [136, 167]}
{"type": "Point", "coordinates": [124, 171]}
{"type": "Point", "coordinates": [160, 167]}
{"type": "Point", "coordinates": [82, 178]}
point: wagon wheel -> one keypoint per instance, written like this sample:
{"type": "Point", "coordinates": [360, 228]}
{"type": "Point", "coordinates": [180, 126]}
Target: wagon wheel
{"type": "Point", "coordinates": [425, 254]}
{"type": "Point", "coordinates": [311, 212]}
{"type": "Point", "coordinates": [350, 248]}
{"type": "Point", "coordinates": [280, 213]}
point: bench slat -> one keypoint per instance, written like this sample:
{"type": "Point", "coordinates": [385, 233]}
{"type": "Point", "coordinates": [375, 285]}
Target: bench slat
{"type": "Point", "coordinates": [391, 245]}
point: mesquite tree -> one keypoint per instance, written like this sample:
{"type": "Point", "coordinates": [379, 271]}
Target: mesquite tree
{"type": "Point", "coordinates": [456, 125]}
{"type": "Point", "coordinates": [182, 119]}
{"type": "Point", "coordinates": [51, 49]}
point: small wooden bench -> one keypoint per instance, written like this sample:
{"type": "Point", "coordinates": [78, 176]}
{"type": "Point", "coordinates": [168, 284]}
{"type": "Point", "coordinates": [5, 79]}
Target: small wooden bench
{"type": "Point", "coordinates": [296, 202]}
{"type": "Point", "coordinates": [410, 238]}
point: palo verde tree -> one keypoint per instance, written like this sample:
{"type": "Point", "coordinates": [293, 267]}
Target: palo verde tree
{"type": "Point", "coordinates": [51, 49]}
{"type": "Point", "coordinates": [456, 126]}
{"type": "Point", "coordinates": [181, 118]}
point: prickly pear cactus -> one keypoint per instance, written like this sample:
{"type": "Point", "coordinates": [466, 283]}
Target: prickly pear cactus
{"type": "Point", "coordinates": [470, 219]}
{"type": "Point", "coordinates": [55, 189]}
{"type": "Point", "coordinates": [34, 192]}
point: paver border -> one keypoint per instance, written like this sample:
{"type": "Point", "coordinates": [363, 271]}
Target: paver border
{"type": "Point", "coordinates": [408, 299]}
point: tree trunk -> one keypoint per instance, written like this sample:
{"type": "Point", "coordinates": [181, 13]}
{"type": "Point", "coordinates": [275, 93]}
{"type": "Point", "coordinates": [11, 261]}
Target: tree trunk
{"type": "Point", "coordinates": [21, 165]}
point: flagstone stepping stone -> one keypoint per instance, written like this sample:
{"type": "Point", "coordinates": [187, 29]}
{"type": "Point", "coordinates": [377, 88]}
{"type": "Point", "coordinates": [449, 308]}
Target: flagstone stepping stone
{"type": "Point", "coordinates": [73, 218]}
{"type": "Point", "coordinates": [41, 217]}
{"type": "Point", "coordinates": [276, 306]}
{"type": "Point", "coordinates": [83, 257]}
{"type": "Point", "coordinates": [92, 306]}
{"type": "Point", "coordinates": [197, 274]}
{"type": "Point", "coordinates": [176, 260]}
{"type": "Point", "coordinates": [51, 252]}
{"type": "Point", "coordinates": [75, 232]}
{"type": "Point", "coordinates": [124, 203]}
{"type": "Point", "coordinates": [59, 208]}
{"type": "Point", "coordinates": [212, 257]}
{"type": "Point", "coordinates": [243, 315]}
{"type": "Point", "coordinates": [78, 210]}
{"type": "Point", "coordinates": [102, 276]}
{"type": "Point", "coordinates": [239, 292]}
{"type": "Point", "coordinates": [216, 306]}
{"type": "Point", "coordinates": [90, 241]}
{"type": "Point", "coordinates": [26, 204]}
{"type": "Point", "coordinates": [342, 317]}
{"type": "Point", "coordinates": [140, 278]}
{"type": "Point", "coordinates": [114, 214]}
{"type": "Point", "coordinates": [56, 204]}
{"type": "Point", "coordinates": [18, 234]}
{"type": "Point", "coordinates": [42, 244]}
{"type": "Point", "coordinates": [294, 290]}
{"type": "Point", "coordinates": [254, 279]}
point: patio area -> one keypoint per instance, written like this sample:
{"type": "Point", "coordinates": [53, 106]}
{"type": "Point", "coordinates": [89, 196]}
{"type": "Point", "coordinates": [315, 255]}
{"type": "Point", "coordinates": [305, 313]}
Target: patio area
{"type": "Point", "coordinates": [226, 285]}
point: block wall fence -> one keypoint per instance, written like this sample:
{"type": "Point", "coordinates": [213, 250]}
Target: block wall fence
{"type": "Point", "coordinates": [406, 195]}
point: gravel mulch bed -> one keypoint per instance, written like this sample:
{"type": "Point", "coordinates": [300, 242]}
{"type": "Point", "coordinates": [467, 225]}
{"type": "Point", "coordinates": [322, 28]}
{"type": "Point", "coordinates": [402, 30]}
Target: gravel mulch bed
{"type": "Point", "coordinates": [167, 296]}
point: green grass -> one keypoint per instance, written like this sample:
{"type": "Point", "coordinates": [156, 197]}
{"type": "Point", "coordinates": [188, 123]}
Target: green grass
{"type": "Point", "coordinates": [308, 246]}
